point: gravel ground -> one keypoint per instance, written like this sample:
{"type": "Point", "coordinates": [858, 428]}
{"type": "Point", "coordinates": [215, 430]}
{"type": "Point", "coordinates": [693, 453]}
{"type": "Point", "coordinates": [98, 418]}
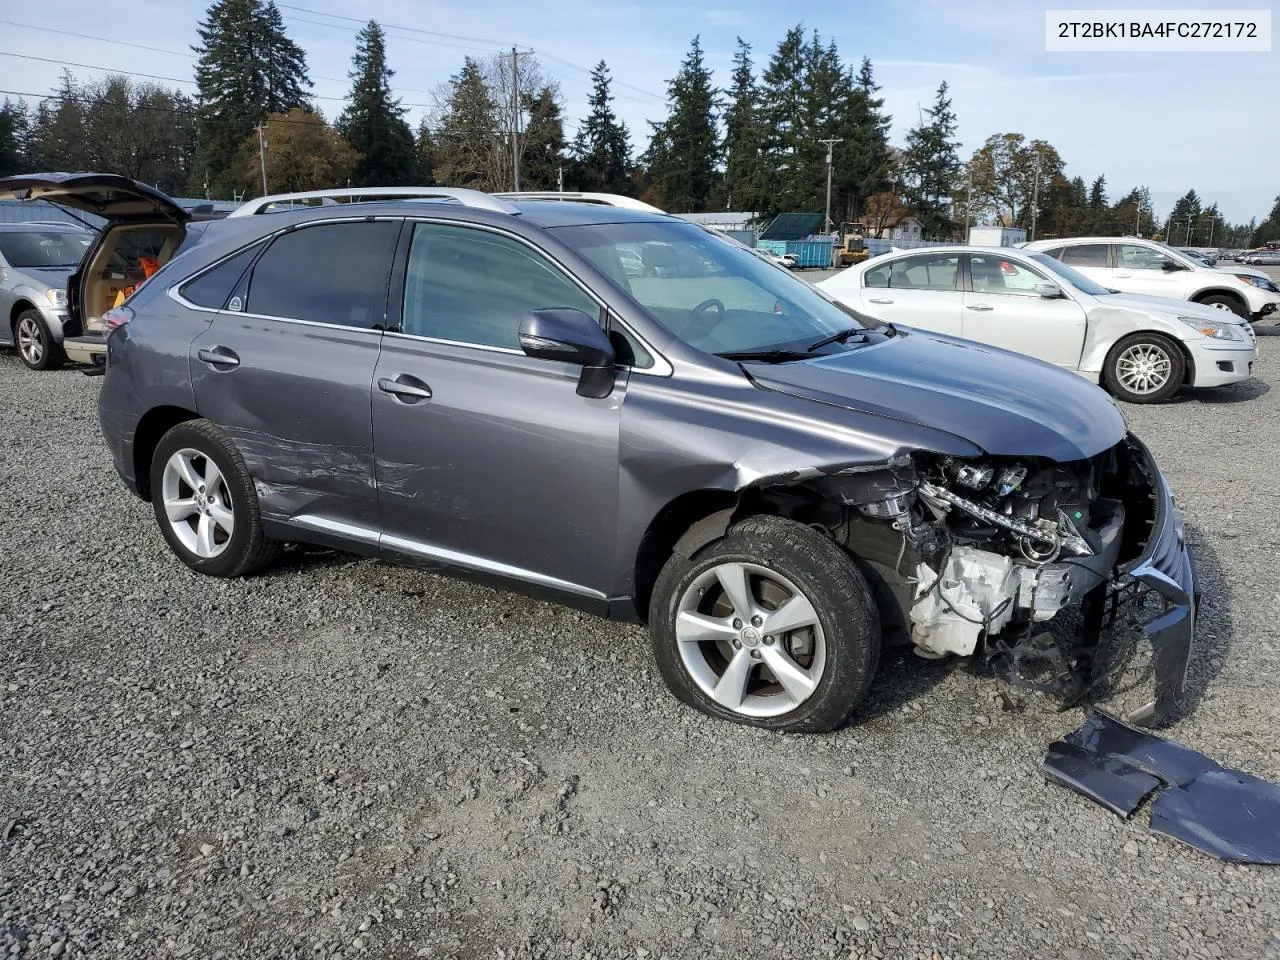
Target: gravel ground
{"type": "Point", "coordinates": [342, 758]}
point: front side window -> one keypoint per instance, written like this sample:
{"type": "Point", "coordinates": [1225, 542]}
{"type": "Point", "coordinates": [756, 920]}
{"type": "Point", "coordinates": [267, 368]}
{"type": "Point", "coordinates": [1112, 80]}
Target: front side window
{"type": "Point", "coordinates": [475, 286]}
{"type": "Point", "coordinates": [714, 294]}
{"type": "Point", "coordinates": [1085, 255]}
{"type": "Point", "coordinates": [1069, 274]}
{"type": "Point", "coordinates": [996, 275]}
{"type": "Point", "coordinates": [1131, 256]}
{"type": "Point", "coordinates": [334, 273]}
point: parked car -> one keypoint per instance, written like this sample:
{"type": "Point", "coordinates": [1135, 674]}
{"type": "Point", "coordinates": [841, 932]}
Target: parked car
{"type": "Point", "coordinates": [1145, 266]}
{"type": "Point", "coordinates": [1142, 348]}
{"type": "Point", "coordinates": [1265, 258]}
{"type": "Point", "coordinates": [36, 259]}
{"type": "Point", "coordinates": [775, 484]}
{"type": "Point", "coordinates": [787, 260]}
{"type": "Point", "coordinates": [1208, 259]}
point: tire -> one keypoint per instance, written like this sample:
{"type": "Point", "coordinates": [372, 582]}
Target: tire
{"type": "Point", "coordinates": [204, 505]}
{"type": "Point", "coordinates": [1234, 304]}
{"type": "Point", "coordinates": [1136, 362]}
{"type": "Point", "coordinates": [34, 343]}
{"type": "Point", "coordinates": [836, 653]}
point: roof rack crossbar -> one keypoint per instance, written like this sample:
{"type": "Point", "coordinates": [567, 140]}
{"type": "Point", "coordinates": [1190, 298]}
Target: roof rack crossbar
{"type": "Point", "coordinates": [464, 196]}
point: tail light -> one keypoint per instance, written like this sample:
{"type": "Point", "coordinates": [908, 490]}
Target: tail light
{"type": "Point", "coordinates": [117, 318]}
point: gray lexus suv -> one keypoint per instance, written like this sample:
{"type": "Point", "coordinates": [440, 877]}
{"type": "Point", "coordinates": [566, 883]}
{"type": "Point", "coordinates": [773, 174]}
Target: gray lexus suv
{"type": "Point", "coordinates": [776, 486]}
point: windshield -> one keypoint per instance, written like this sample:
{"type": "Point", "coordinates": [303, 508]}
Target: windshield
{"type": "Point", "coordinates": [711, 292]}
{"type": "Point", "coordinates": [1072, 276]}
{"type": "Point", "coordinates": [1179, 257]}
{"type": "Point", "coordinates": [43, 248]}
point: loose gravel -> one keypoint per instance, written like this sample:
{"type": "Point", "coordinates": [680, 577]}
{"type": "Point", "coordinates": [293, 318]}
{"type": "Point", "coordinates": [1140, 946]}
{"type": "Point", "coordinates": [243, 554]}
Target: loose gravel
{"type": "Point", "coordinates": [344, 758]}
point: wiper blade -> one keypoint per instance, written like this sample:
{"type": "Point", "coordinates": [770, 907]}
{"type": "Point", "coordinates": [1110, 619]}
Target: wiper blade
{"type": "Point", "coordinates": [765, 356]}
{"type": "Point", "coordinates": [840, 337]}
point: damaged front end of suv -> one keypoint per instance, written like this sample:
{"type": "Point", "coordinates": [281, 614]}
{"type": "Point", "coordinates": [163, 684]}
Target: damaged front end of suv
{"type": "Point", "coordinates": [977, 555]}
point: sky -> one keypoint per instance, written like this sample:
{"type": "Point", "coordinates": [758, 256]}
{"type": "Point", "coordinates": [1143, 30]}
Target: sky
{"type": "Point", "coordinates": [1170, 121]}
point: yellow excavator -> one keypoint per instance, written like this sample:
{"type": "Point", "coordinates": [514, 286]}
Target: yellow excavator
{"type": "Point", "coordinates": [852, 248]}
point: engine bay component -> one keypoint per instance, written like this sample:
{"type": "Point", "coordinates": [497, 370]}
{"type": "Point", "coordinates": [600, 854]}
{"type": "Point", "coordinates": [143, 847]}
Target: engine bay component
{"type": "Point", "coordinates": [975, 476]}
{"type": "Point", "coordinates": [1047, 537]}
{"type": "Point", "coordinates": [1226, 813]}
{"type": "Point", "coordinates": [975, 593]}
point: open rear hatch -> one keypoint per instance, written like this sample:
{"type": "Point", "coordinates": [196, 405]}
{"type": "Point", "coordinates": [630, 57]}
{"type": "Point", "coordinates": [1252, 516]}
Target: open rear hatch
{"type": "Point", "coordinates": [144, 229]}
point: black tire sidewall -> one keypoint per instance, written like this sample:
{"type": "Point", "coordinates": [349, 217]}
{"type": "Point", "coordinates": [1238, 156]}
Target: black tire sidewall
{"type": "Point", "coordinates": [1231, 303]}
{"type": "Point", "coordinates": [50, 357]}
{"type": "Point", "coordinates": [1177, 371]}
{"type": "Point", "coordinates": [240, 485]}
{"type": "Point", "coordinates": [829, 579]}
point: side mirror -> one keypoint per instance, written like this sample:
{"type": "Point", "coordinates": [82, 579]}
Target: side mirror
{"type": "Point", "coordinates": [571, 336]}
{"type": "Point", "coordinates": [1048, 289]}
{"type": "Point", "coordinates": [1171, 266]}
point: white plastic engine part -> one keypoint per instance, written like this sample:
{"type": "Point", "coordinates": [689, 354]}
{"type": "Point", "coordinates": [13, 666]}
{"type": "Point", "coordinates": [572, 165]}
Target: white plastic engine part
{"type": "Point", "coordinates": [1044, 590]}
{"type": "Point", "coordinates": [949, 617]}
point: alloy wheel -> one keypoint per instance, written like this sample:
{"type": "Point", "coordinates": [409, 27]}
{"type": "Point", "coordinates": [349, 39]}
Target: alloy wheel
{"type": "Point", "coordinates": [1143, 368]}
{"type": "Point", "coordinates": [30, 340]}
{"type": "Point", "coordinates": [197, 503]}
{"type": "Point", "coordinates": [750, 639]}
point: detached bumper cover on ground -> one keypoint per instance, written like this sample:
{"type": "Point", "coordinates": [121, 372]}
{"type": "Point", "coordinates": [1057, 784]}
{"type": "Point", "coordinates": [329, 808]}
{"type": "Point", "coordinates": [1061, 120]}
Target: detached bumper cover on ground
{"type": "Point", "coordinates": [1225, 813]}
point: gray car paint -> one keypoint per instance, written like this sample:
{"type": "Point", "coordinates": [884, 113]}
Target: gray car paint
{"type": "Point", "coordinates": [544, 490]}
{"type": "Point", "coordinates": [24, 287]}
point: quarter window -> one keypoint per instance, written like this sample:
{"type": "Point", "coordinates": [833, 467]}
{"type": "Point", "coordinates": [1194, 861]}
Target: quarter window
{"type": "Point", "coordinates": [475, 286]}
{"type": "Point", "coordinates": [212, 288]}
{"type": "Point", "coordinates": [931, 272]}
{"type": "Point", "coordinates": [1085, 255]}
{"type": "Point", "coordinates": [334, 273]}
{"type": "Point", "coordinates": [994, 274]}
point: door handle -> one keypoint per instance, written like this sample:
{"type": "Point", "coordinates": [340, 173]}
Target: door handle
{"type": "Point", "coordinates": [218, 357]}
{"type": "Point", "coordinates": [879, 300]}
{"type": "Point", "coordinates": [980, 307]}
{"type": "Point", "coordinates": [1123, 276]}
{"type": "Point", "coordinates": [405, 388]}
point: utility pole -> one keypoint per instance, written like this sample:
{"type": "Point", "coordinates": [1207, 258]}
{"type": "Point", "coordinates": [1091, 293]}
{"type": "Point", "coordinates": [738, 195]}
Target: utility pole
{"type": "Point", "coordinates": [968, 199]}
{"type": "Point", "coordinates": [830, 144]}
{"type": "Point", "coordinates": [1035, 196]}
{"type": "Point", "coordinates": [1137, 221]}
{"type": "Point", "coordinates": [560, 178]}
{"type": "Point", "coordinates": [515, 116]}
{"type": "Point", "coordinates": [262, 159]}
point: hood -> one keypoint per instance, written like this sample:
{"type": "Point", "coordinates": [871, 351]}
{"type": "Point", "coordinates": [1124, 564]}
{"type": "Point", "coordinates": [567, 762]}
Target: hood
{"type": "Point", "coordinates": [1242, 268]}
{"type": "Point", "coordinates": [104, 194]}
{"type": "Point", "coordinates": [1171, 307]}
{"type": "Point", "coordinates": [1005, 403]}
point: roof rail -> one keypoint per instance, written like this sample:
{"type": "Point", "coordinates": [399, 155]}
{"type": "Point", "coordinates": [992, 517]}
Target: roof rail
{"type": "Point", "coordinates": [310, 198]}
{"type": "Point", "coordinates": [604, 199]}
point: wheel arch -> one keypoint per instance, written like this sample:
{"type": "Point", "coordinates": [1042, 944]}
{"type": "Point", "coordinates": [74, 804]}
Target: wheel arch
{"type": "Point", "coordinates": [1188, 361]}
{"type": "Point", "coordinates": [153, 425]}
{"type": "Point", "coordinates": [1200, 295]}
{"type": "Point", "coordinates": [20, 306]}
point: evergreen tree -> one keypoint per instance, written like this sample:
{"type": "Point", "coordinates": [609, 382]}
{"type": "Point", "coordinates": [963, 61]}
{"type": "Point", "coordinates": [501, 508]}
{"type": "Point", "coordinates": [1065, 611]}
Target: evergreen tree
{"type": "Point", "coordinates": [13, 138]}
{"type": "Point", "coordinates": [684, 154]}
{"type": "Point", "coordinates": [247, 67]}
{"type": "Point", "coordinates": [743, 183]}
{"type": "Point", "coordinates": [466, 136]}
{"type": "Point", "coordinates": [782, 100]}
{"type": "Point", "coordinates": [1267, 230]}
{"type": "Point", "coordinates": [932, 165]}
{"type": "Point", "coordinates": [543, 159]}
{"type": "Point", "coordinates": [1098, 195]}
{"type": "Point", "coordinates": [602, 148]}
{"type": "Point", "coordinates": [373, 122]}
{"type": "Point", "coordinates": [425, 164]}
{"type": "Point", "coordinates": [864, 164]}
{"type": "Point", "coordinates": [1182, 221]}
{"type": "Point", "coordinates": [58, 140]}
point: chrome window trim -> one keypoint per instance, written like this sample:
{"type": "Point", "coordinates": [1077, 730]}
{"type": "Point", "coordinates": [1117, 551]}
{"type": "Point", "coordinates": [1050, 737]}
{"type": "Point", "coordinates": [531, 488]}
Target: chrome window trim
{"type": "Point", "coordinates": [661, 365]}
{"type": "Point", "coordinates": [470, 561]}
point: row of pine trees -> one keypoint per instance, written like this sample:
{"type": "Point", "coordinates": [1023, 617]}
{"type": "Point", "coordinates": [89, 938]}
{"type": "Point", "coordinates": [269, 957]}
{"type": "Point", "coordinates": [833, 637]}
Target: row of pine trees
{"type": "Point", "coordinates": [758, 144]}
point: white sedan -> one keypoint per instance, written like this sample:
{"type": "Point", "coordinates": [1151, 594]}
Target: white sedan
{"type": "Point", "coordinates": [1141, 348]}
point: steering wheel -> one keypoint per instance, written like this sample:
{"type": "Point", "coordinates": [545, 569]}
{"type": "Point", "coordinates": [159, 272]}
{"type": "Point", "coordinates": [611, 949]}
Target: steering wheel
{"type": "Point", "coordinates": [701, 327]}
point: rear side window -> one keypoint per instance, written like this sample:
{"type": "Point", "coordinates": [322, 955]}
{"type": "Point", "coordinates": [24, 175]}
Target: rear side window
{"type": "Point", "coordinates": [334, 273]}
{"type": "Point", "coordinates": [1085, 255]}
{"type": "Point", "coordinates": [929, 272]}
{"type": "Point", "coordinates": [212, 288]}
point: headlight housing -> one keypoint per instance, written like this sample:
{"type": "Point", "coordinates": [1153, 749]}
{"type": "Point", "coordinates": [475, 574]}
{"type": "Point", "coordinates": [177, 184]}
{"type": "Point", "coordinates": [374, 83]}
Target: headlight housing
{"type": "Point", "coordinates": [1262, 283]}
{"type": "Point", "coordinates": [1214, 329]}
{"type": "Point", "coordinates": [56, 298]}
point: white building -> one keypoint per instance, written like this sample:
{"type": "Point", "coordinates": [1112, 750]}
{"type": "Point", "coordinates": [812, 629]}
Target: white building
{"type": "Point", "coordinates": [997, 236]}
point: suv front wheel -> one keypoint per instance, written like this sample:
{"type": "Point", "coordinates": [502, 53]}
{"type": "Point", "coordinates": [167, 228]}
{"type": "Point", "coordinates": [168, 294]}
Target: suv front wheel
{"type": "Point", "coordinates": [205, 502]}
{"type": "Point", "coordinates": [772, 625]}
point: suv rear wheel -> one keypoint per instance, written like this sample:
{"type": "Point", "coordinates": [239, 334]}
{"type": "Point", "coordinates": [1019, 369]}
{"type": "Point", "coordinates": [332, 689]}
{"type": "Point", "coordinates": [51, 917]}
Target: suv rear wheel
{"type": "Point", "coordinates": [35, 343]}
{"type": "Point", "coordinates": [772, 625]}
{"type": "Point", "coordinates": [205, 502]}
